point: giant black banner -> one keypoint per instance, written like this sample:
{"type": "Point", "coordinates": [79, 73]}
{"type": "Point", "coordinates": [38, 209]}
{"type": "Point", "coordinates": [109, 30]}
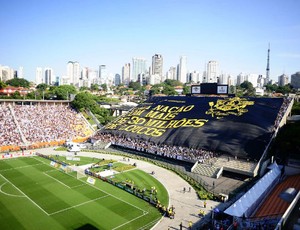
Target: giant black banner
{"type": "Point", "coordinates": [238, 126]}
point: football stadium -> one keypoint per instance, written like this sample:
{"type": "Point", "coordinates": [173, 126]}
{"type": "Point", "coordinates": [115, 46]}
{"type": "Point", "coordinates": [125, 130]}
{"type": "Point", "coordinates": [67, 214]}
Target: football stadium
{"type": "Point", "coordinates": [172, 162]}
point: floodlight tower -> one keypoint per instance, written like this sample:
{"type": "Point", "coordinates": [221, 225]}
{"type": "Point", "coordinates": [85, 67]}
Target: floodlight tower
{"type": "Point", "coordinates": [268, 67]}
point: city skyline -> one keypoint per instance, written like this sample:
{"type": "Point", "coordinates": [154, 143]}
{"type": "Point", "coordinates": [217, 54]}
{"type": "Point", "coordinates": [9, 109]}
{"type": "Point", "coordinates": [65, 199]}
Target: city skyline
{"type": "Point", "coordinates": [234, 33]}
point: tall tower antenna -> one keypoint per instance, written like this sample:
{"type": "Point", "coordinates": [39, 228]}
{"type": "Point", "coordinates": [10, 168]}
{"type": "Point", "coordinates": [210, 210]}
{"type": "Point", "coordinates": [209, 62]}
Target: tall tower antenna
{"type": "Point", "coordinates": [268, 67]}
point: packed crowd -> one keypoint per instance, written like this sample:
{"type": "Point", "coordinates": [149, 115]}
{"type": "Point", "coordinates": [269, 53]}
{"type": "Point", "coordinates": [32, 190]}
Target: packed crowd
{"type": "Point", "coordinates": [282, 111]}
{"type": "Point", "coordinates": [175, 152]}
{"type": "Point", "coordinates": [9, 133]}
{"type": "Point", "coordinates": [39, 123]}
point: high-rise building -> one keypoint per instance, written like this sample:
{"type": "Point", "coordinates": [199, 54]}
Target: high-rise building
{"type": "Point", "coordinates": [171, 74]}
{"type": "Point", "coordinates": [182, 77]}
{"type": "Point", "coordinates": [194, 76]}
{"type": "Point", "coordinates": [39, 76]}
{"type": "Point", "coordinates": [138, 68]}
{"type": "Point", "coordinates": [283, 80]}
{"type": "Point", "coordinates": [117, 79]}
{"type": "Point", "coordinates": [212, 71]}
{"type": "Point", "coordinates": [222, 79]}
{"type": "Point", "coordinates": [6, 73]}
{"type": "Point", "coordinates": [252, 78]}
{"type": "Point", "coordinates": [21, 72]}
{"type": "Point", "coordinates": [230, 81]}
{"type": "Point", "coordinates": [126, 74]}
{"type": "Point", "coordinates": [73, 72]}
{"type": "Point", "coordinates": [240, 79]}
{"type": "Point", "coordinates": [102, 74]}
{"type": "Point", "coordinates": [49, 76]}
{"type": "Point", "coordinates": [295, 80]}
{"type": "Point", "coordinates": [157, 65]}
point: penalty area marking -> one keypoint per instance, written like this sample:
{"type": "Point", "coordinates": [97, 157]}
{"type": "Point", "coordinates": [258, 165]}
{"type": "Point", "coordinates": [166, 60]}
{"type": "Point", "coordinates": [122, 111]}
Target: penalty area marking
{"type": "Point", "coordinates": [144, 213]}
{"type": "Point", "coordinates": [25, 195]}
{"type": "Point", "coordinates": [78, 205]}
{"type": "Point", "coordinates": [8, 194]}
{"type": "Point", "coordinates": [56, 180]}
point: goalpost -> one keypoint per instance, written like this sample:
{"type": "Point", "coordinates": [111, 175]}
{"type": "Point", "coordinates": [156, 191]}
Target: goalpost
{"type": "Point", "coordinates": [80, 173]}
{"type": "Point", "coordinates": [75, 171]}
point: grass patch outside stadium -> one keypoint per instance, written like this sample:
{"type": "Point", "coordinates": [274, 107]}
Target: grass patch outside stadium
{"type": "Point", "coordinates": [35, 195]}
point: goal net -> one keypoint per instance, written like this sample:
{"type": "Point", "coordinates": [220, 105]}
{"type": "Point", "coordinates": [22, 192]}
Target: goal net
{"type": "Point", "coordinates": [75, 171]}
{"type": "Point", "coordinates": [80, 173]}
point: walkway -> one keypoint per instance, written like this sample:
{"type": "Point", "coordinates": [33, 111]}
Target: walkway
{"type": "Point", "coordinates": [187, 205]}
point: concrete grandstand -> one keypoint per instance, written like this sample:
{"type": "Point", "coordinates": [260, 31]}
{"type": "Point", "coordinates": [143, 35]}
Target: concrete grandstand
{"type": "Point", "coordinates": [224, 141]}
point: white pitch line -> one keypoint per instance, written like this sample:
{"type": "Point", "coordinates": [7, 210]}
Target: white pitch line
{"type": "Point", "coordinates": [24, 195]}
{"type": "Point", "coordinates": [8, 194]}
{"type": "Point", "coordinates": [130, 221]}
{"type": "Point", "coordinates": [21, 167]}
{"type": "Point", "coordinates": [56, 180]}
{"type": "Point", "coordinates": [78, 205]}
{"type": "Point", "coordinates": [76, 186]}
{"type": "Point", "coordinates": [126, 202]}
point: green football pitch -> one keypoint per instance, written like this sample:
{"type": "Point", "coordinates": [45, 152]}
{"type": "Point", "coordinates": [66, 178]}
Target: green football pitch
{"type": "Point", "coordinates": [35, 195]}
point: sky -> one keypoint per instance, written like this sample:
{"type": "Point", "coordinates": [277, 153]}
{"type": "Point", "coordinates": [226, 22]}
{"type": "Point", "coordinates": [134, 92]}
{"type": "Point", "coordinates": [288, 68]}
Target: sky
{"type": "Point", "coordinates": [235, 33]}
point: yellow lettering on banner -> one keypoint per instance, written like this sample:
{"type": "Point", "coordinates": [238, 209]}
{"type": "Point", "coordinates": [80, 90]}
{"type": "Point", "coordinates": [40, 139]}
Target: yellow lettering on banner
{"type": "Point", "coordinates": [156, 121]}
{"type": "Point", "coordinates": [161, 116]}
{"type": "Point", "coordinates": [199, 122]}
{"type": "Point", "coordinates": [137, 120]}
{"type": "Point", "coordinates": [149, 131]}
{"type": "Point", "coordinates": [111, 126]}
{"type": "Point", "coordinates": [122, 120]}
{"type": "Point", "coordinates": [173, 109]}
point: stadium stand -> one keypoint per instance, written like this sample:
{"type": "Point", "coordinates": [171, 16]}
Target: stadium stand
{"type": "Point", "coordinates": [40, 125]}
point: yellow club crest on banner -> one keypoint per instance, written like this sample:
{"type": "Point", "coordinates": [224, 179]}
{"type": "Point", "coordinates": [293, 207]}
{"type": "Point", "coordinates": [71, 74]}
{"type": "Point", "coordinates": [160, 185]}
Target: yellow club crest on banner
{"type": "Point", "coordinates": [228, 106]}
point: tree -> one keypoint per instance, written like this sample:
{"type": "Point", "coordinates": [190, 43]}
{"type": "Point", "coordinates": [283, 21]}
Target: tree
{"type": "Point", "coordinates": [186, 89]}
{"type": "Point", "coordinates": [135, 85]}
{"type": "Point", "coordinates": [104, 87]}
{"type": "Point", "coordinates": [271, 88]}
{"type": "Point", "coordinates": [156, 89]}
{"type": "Point", "coordinates": [94, 87]}
{"type": "Point", "coordinates": [172, 82]}
{"type": "Point", "coordinates": [2, 85]}
{"type": "Point", "coordinates": [83, 88]}
{"type": "Point", "coordinates": [169, 90]}
{"type": "Point", "coordinates": [42, 87]}
{"type": "Point", "coordinates": [16, 95]}
{"type": "Point", "coordinates": [85, 100]}
{"type": "Point", "coordinates": [18, 82]}
{"type": "Point", "coordinates": [61, 92]}
{"type": "Point", "coordinates": [248, 89]}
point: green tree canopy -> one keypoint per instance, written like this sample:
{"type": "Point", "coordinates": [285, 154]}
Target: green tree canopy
{"type": "Point", "coordinates": [18, 82]}
{"type": "Point", "coordinates": [186, 89]}
{"type": "Point", "coordinates": [172, 82]}
{"type": "Point", "coordinates": [169, 90]}
{"type": "Point", "coordinates": [104, 87]}
{"type": "Point", "coordinates": [248, 89]}
{"type": "Point", "coordinates": [85, 100]}
{"type": "Point", "coordinates": [42, 87]}
{"type": "Point", "coordinates": [94, 87]}
{"type": "Point", "coordinates": [135, 85]}
{"type": "Point", "coordinates": [62, 92]}
{"type": "Point", "coordinates": [2, 85]}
